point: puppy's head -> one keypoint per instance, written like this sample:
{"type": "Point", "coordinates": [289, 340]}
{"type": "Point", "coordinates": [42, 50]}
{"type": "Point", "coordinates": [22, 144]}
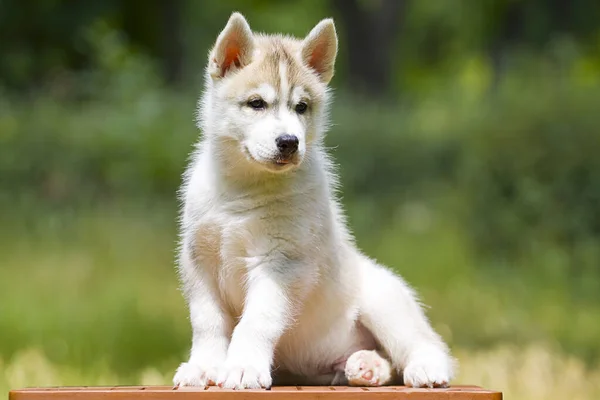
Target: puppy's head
{"type": "Point", "coordinates": [266, 99]}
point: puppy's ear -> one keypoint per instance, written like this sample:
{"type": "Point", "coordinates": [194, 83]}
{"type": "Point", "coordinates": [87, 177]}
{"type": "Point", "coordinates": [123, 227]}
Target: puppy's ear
{"type": "Point", "coordinates": [233, 48]}
{"type": "Point", "coordinates": [319, 49]}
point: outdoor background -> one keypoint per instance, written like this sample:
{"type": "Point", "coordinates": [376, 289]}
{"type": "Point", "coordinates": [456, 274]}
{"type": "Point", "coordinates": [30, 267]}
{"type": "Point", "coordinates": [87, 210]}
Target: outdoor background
{"type": "Point", "coordinates": [468, 134]}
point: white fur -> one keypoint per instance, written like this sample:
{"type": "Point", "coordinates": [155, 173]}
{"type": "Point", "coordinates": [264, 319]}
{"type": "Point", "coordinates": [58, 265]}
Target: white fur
{"type": "Point", "coordinates": [273, 279]}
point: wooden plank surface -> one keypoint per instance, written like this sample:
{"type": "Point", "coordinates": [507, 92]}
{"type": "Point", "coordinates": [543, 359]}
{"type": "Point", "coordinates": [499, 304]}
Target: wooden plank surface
{"type": "Point", "coordinates": [281, 392]}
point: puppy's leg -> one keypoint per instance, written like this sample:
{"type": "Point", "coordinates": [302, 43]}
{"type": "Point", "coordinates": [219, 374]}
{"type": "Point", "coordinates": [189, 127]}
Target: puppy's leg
{"type": "Point", "coordinates": [267, 313]}
{"type": "Point", "coordinates": [389, 309]}
{"type": "Point", "coordinates": [368, 368]}
{"type": "Point", "coordinates": [211, 326]}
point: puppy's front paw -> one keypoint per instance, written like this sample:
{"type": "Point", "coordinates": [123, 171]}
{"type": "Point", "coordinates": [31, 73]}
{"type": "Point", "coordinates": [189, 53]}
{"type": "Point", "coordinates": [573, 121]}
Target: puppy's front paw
{"type": "Point", "coordinates": [245, 375]}
{"type": "Point", "coordinates": [431, 368]}
{"type": "Point", "coordinates": [191, 374]}
{"type": "Point", "coordinates": [367, 368]}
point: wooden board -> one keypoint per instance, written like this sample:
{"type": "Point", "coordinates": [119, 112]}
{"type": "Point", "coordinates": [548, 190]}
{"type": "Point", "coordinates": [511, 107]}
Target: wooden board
{"type": "Point", "coordinates": [281, 392]}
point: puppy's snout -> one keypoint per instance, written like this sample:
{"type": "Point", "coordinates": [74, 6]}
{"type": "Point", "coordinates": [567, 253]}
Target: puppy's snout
{"type": "Point", "coordinates": [287, 144]}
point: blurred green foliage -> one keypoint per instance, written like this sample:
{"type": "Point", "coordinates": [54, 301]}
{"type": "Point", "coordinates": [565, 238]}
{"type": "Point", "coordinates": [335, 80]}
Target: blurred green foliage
{"type": "Point", "coordinates": [475, 175]}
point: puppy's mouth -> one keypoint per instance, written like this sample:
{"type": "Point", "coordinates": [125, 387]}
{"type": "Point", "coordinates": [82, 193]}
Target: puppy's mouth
{"type": "Point", "coordinates": [283, 161]}
{"type": "Point", "coordinates": [277, 163]}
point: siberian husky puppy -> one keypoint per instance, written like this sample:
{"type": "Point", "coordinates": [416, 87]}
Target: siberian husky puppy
{"type": "Point", "coordinates": [277, 290]}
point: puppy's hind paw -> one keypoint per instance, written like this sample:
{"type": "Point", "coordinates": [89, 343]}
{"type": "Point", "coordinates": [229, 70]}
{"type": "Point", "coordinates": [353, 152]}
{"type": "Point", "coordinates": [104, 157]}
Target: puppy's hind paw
{"type": "Point", "coordinates": [367, 368]}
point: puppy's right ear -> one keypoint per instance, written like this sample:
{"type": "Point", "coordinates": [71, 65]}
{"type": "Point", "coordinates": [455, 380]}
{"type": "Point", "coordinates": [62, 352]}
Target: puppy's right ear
{"type": "Point", "coordinates": [233, 49]}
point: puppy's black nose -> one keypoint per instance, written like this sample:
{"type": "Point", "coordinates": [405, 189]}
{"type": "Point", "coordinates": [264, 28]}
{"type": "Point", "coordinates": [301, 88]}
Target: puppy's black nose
{"type": "Point", "coordinates": [287, 144]}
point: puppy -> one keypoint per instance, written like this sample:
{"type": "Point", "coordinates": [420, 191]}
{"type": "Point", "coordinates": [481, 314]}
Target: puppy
{"type": "Point", "coordinates": [277, 290]}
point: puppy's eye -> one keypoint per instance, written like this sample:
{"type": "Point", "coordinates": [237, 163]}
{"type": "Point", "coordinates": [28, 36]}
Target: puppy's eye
{"type": "Point", "coordinates": [301, 107]}
{"type": "Point", "coordinates": [257, 104]}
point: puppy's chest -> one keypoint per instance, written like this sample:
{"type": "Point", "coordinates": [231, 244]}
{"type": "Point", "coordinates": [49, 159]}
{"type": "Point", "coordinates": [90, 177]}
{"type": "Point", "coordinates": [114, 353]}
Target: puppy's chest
{"type": "Point", "coordinates": [236, 241]}
{"type": "Point", "coordinates": [234, 236]}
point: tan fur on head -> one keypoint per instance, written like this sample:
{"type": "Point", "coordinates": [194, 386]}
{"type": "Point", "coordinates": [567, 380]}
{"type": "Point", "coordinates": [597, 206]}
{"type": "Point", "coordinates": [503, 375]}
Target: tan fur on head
{"type": "Point", "coordinates": [236, 45]}
{"type": "Point", "coordinates": [273, 54]}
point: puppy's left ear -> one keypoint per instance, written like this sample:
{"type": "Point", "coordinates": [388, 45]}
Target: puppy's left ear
{"type": "Point", "coordinates": [233, 48]}
{"type": "Point", "coordinates": [319, 49]}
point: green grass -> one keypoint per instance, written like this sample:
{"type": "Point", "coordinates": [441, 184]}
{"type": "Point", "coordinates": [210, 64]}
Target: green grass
{"type": "Point", "coordinates": [94, 287]}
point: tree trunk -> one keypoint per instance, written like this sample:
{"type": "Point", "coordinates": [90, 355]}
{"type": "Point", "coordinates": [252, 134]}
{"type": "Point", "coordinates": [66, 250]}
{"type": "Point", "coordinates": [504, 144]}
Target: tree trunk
{"type": "Point", "coordinates": [509, 32]}
{"type": "Point", "coordinates": [370, 36]}
{"type": "Point", "coordinates": [172, 42]}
